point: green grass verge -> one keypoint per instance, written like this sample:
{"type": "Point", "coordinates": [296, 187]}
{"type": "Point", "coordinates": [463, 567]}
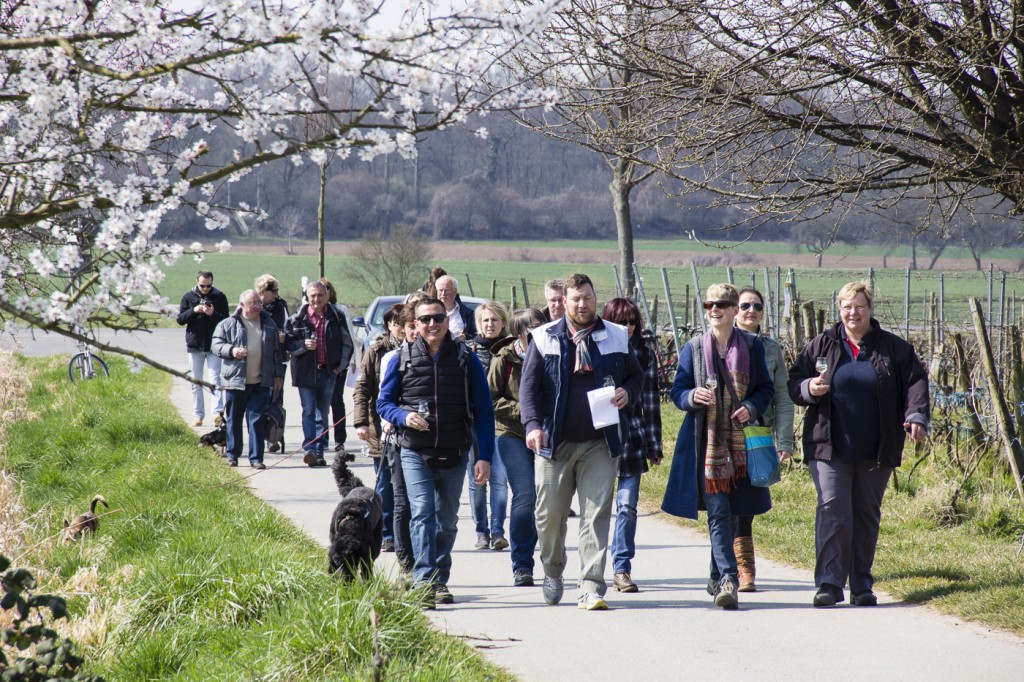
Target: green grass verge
{"type": "Point", "coordinates": [970, 568]}
{"type": "Point", "coordinates": [188, 580]}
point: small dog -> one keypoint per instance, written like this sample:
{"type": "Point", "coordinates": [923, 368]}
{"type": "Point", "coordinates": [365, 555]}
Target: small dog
{"type": "Point", "coordinates": [357, 527]}
{"type": "Point", "coordinates": [218, 438]}
{"type": "Point", "coordinates": [83, 522]}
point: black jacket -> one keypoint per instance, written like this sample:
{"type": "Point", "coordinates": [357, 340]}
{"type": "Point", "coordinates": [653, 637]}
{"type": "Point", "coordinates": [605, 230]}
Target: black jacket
{"type": "Point", "coordinates": [902, 390]}
{"type": "Point", "coordinates": [336, 337]}
{"type": "Point", "coordinates": [199, 326]}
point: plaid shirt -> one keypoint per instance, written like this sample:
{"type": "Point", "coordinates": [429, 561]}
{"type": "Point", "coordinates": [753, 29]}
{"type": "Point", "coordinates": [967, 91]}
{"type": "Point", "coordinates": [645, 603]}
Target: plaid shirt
{"type": "Point", "coordinates": [643, 442]}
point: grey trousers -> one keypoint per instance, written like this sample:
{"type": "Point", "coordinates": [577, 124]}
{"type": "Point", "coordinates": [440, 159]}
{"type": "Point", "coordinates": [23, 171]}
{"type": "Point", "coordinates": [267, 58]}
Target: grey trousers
{"type": "Point", "coordinates": [847, 519]}
{"type": "Point", "coordinates": [590, 470]}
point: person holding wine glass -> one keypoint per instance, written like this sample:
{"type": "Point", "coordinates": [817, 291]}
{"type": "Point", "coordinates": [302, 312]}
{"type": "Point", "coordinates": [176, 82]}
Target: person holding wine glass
{"type": "Point", "coordinates": [778, 416]}
{"type": "Point", "coordinates": [865, 390]}
{"type": "Point", "coordinates": [709, 467]}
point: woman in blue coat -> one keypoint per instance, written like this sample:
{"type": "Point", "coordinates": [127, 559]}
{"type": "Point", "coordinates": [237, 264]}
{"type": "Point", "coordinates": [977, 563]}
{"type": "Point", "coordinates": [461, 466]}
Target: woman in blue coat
{"type": "Point", "coordinates": [709, 468]}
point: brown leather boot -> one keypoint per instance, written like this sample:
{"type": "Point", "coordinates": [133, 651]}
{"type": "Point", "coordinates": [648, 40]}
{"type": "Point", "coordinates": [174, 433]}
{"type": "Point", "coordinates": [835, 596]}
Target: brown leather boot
{"type": "Point", "coordinates": [744, 548]}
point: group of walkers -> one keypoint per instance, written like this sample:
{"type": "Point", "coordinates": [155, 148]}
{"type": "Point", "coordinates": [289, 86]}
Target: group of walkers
{"type": "Point", "coordinates": [446, 393]}
{"type": "Point", "coordinates": [245, 355]}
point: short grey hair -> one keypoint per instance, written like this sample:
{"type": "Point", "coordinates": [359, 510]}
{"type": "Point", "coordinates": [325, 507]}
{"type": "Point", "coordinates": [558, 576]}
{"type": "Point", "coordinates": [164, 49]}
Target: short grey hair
{"type": "Point", "coordinates": [437, 282]}
{"type": "Point", "coordinates": [317, 284]}
{"type": "Point", "coordinates": [556, 284]}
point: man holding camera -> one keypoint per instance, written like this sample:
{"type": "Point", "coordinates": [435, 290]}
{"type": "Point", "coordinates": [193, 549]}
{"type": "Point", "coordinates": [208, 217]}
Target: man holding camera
{"type": "Point", "coordinates": [202, 308]}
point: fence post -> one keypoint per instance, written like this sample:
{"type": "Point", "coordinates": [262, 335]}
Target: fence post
{"type": "Point", "coordinates": [696, 297]}
{"type": "Point", "coordinates": [1011, 445]}
{"type": "Point", "coordinates": [642, 296]}
{"type": "Point", "coordinates": [494, 290]}
{"type": "Point", "coordinates": [988, 313]}
{"type": "Point", "coordinates": [778, 300]}
{"type": "Point", "coordinates": [769, 308]}
{"type": "Point", "coordinates": [942, 307]}
{"type": "Point", "coordinates": [1000, 361]}
{"type": "Point", "coordinates": [728, 275]}
{"type": "Point", "coordinates": [526, 296]}
{"type": "Point", "coordinates": [671, 310]}
{"type": "Point", "coordinates": [618, 282]}
{"type": "Point", "coordinates": [514, 303]}
{"type": "Point", "coordinates": [687, 318]}
{"type": "Point", "coordinates": [469, 284]}
{"type": "Point", "coordinates": [871, 280]}
{"type": "Point", "coordinates": [906, 303]}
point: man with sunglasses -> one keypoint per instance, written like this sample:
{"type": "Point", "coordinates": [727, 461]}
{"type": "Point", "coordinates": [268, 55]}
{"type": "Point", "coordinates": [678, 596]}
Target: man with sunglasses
{"type": "Point", "coordinates": [202, 309]}
{"type": "Point", "coordinates": [436, 388]}
{"type": "Point", "coordinates": [566, 360]}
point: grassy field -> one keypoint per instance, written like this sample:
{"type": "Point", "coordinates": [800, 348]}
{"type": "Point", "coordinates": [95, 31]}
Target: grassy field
{"type": "Point", "coordinates": [234, 272]}
{"type": "Point", "coordinates": [969, 566]}
{"type": "Point", "coordinates": [186, 580]}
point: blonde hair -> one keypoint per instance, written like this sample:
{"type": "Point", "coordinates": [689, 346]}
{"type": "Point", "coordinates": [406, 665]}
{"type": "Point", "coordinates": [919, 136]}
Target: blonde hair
{"type": "Point", "coordinates": [723, 292]}
{"type": "Point", "coordinates": [850, 291]}
{"type": "Point", "coordinates": [494, 307]}
{"type": "Point", "coordinates": [266, 283]}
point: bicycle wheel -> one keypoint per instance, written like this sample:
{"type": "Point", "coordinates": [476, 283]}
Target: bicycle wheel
{"type": "Point", "coordinates": [86, 366]}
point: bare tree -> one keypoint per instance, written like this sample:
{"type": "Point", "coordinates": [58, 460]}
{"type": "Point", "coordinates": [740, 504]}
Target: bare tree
{"type": "Point", "coordinates": [291, 223]}
{"type": "Point", "coordinates": [604, 103]}
{"type": "Point", "coordinates": [391, 263]}
{"type": "Point", "coordinates": [789, 106]}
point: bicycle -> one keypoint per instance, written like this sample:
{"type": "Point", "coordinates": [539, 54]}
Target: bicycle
{"type": "Point", "coordinates": [85, 365]}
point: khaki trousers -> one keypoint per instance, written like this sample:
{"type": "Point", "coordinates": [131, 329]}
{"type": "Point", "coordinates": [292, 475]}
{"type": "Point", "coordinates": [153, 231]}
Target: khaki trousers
{"type": "Point", "coordinates": [586, 468]}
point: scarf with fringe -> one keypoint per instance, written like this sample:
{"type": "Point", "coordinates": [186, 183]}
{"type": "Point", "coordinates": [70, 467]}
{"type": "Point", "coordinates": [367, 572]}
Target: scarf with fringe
{"type": "Point", "coordinates": [726, 454]}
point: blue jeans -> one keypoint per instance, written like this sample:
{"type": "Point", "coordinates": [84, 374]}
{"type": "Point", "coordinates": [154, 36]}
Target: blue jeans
{"type": "Point", "coordinates": [434, 514]}
{"type": "Point", "coordinates": [522, 526]}
{"type": "Point", "coordinates": [316, 406]}
{"type": "Point", "coordinates": [387, 496]}
{"type": "Point", "coordinates": [623, 547]}
{"type": "Point", "coordinates": [499, 498]}
{"type": "Point", "coordinates": [722, 532]}
{"type": "Point", "coordinates": [250, 404]}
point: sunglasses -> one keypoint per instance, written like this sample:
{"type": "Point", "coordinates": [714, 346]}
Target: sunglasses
{"type": "Point", "coordinates": [747, 305]}
{"type": "Point", "coordinates": [436, 318]}
{"type": "Point", "coordinates": [205, 286]}
{"type": "Point", "coordinates": [721, 305]}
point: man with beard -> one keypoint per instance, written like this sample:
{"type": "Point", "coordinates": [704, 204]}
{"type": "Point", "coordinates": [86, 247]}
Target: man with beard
{"type": "Point", "coordinates": [567, 359]}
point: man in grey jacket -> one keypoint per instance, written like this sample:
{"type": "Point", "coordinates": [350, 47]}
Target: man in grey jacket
{"type": "Point", "coordinates": [252, 365]}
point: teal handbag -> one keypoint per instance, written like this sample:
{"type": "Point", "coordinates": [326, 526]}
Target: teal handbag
{"type": "Point", "coordinates": [762, 457]}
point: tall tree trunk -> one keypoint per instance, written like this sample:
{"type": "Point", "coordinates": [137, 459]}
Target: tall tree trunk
{"type": "Point", "coordinates": [620, 188]}
{"type": "Point", "coordinates": [320, 214]}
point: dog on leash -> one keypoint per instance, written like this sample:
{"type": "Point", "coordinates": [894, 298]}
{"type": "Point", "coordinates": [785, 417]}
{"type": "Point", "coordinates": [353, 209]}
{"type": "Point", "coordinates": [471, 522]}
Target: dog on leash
{"type": "Point", "coordinates": [216, 438]}
{"type": "Point", "coordinates": [83, 522]}
{"type": "Point", "coordinates": [357, 526]}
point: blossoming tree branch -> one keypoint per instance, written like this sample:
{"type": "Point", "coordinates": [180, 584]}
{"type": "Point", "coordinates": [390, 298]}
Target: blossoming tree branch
{"type": "Point", "coordinates": [107, 109]}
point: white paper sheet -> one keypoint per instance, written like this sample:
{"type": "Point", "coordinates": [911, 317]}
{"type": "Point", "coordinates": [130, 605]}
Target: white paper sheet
{"type": "Point", "coordinates": [602, 410]}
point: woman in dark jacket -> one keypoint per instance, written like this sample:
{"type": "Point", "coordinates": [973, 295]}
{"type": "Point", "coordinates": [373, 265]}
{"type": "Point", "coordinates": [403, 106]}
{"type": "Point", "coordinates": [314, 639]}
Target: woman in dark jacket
{"type": "Point", "coordinates": [492, 321]}
{"type": "Point", "coordinates": [640, 446]}
{"type": "Point", "coordinates": [510, 440]}
{"type": "Point", "coordinates": [869, 391]}
{"type": "Point", "coordinates": [709, 465]}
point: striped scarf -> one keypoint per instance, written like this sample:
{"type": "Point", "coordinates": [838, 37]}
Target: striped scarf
{"type": "Point", "coordinates": [580, 337]}
{"type": "Point", "coordinates": [726, 454]}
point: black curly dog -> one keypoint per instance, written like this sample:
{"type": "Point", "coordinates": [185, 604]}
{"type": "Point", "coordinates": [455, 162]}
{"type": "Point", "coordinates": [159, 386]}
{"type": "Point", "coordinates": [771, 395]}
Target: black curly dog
{"type": "Point", "coordinates": [357, 526]}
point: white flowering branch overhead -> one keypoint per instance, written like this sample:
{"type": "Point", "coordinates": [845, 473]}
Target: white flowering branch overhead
{"type": "Point", "coordinates": [107, 109]}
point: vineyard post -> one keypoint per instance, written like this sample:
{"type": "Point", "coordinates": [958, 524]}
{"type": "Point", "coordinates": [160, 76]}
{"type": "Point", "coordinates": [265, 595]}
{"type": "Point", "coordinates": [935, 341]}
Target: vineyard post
{"type": "Point", "coordinates": [526, 296]}
{"type": "Point", "coordinates": [642, 296]}
{"type": "Point", "coordinates": [697, 298]}
{"type": "Point", "coordinates": [1011, 445]}
{"type": "Point", "coordinates": [671, 310]}
{"type": "Point", "coordinates": [769, 308]}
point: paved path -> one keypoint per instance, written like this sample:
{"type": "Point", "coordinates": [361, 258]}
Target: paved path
{"type": "Point", "coordinates": [669, 630]}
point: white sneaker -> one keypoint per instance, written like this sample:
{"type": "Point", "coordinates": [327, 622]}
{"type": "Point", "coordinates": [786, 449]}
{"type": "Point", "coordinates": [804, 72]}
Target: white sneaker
{"type": "Point", "coordinates": [552, 590]}
{"type": "Point", "coordinates": [592, 601]}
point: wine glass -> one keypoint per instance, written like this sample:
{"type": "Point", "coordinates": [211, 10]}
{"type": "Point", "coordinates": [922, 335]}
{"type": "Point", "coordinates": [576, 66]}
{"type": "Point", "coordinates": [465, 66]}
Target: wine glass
{"type": "Point", "coordinates": [821, 365]}
{"type": "Point", "coordinates": [711, 382]}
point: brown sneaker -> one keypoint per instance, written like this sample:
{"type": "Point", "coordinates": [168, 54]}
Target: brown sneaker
{"type": "Point", "coordinates": [310, 459]}
{"type": "Point", "coordinates": [198, 421]}
{"type": "Point", "coordinates": [623, 583]}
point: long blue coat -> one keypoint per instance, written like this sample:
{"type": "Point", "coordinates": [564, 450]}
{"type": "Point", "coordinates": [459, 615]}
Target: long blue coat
{"type": "Point", "coordinates": [685, 480]}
